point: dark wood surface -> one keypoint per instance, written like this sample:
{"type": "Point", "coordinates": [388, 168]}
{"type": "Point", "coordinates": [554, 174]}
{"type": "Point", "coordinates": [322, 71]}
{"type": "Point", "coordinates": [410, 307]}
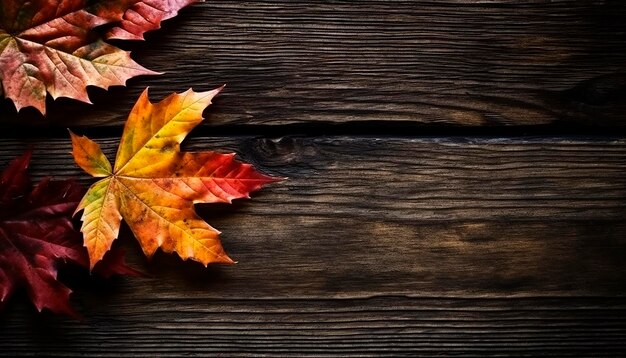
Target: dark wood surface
{"type": "Point", "coordinates": [452, 62]}
{"type": "Point", "coordinates": [456, 185]}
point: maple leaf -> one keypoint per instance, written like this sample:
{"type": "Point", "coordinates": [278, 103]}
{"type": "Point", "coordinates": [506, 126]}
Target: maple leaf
{"type": "Point", "coordinates": [36, 233]}
{"type": "Point", "coordinates": [52, 46]}
{"type": "Point", "coordinates": [154, 185]}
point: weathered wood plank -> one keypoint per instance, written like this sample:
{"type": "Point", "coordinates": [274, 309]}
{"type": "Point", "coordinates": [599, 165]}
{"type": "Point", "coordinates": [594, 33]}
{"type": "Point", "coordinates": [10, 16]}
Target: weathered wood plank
{"type": "Point", "coordinates": [446, 62]}
{"type": "Point", "coordinates": [121, 324]}
{"type": "Point", "coordinates": [374, 246]}
{"type": "Point", "coordinates": [400, 216]}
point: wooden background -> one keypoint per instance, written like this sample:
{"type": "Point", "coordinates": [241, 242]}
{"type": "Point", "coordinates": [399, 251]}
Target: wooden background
{"type": "Point", "coordinates": [457, 184]}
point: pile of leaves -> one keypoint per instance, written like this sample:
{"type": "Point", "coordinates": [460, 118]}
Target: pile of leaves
{"type": "Point", "coordinates": [59, 47]}
{"type": "Point", "coordinates": [153, 186]}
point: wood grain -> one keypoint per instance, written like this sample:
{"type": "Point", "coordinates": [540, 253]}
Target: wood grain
{"type": "Point", "coordinates": [410, 216]}
{"type": "Point", "coordinates": [416, 220]}
{"type": "Point", "coordinates": [381, 326]}
{"type": "Point", "coordinates": [374, 246]}
{"type": "Point", "coordinates": [467, 63]}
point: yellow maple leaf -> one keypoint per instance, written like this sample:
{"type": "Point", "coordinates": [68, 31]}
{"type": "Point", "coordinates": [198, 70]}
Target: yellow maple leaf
{"type": "Point", "coordinates": [154, 185]}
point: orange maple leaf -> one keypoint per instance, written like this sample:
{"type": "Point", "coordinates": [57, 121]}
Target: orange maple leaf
{"type": "Point", "coordinates": [52, 46]}
{"type": "Point", "coordinates": [154, 185]}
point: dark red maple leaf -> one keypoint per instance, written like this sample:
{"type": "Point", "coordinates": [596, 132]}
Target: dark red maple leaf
{"type": "Point", "coordinates": [36, 234]}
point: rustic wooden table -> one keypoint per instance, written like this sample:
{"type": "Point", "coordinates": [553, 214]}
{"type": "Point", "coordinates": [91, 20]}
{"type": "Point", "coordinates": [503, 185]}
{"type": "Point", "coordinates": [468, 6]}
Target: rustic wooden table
{"type": "Point", "coordinates": [457, 184]}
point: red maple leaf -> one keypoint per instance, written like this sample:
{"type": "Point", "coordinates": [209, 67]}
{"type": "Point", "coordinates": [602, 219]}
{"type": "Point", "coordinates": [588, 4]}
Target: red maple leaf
{"type": "Point", "coordinates": [36, 234]}
{"type": "Point", "coordinates": [56, 46]}
{"type": "Point", "coordinates": [153, 185]}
